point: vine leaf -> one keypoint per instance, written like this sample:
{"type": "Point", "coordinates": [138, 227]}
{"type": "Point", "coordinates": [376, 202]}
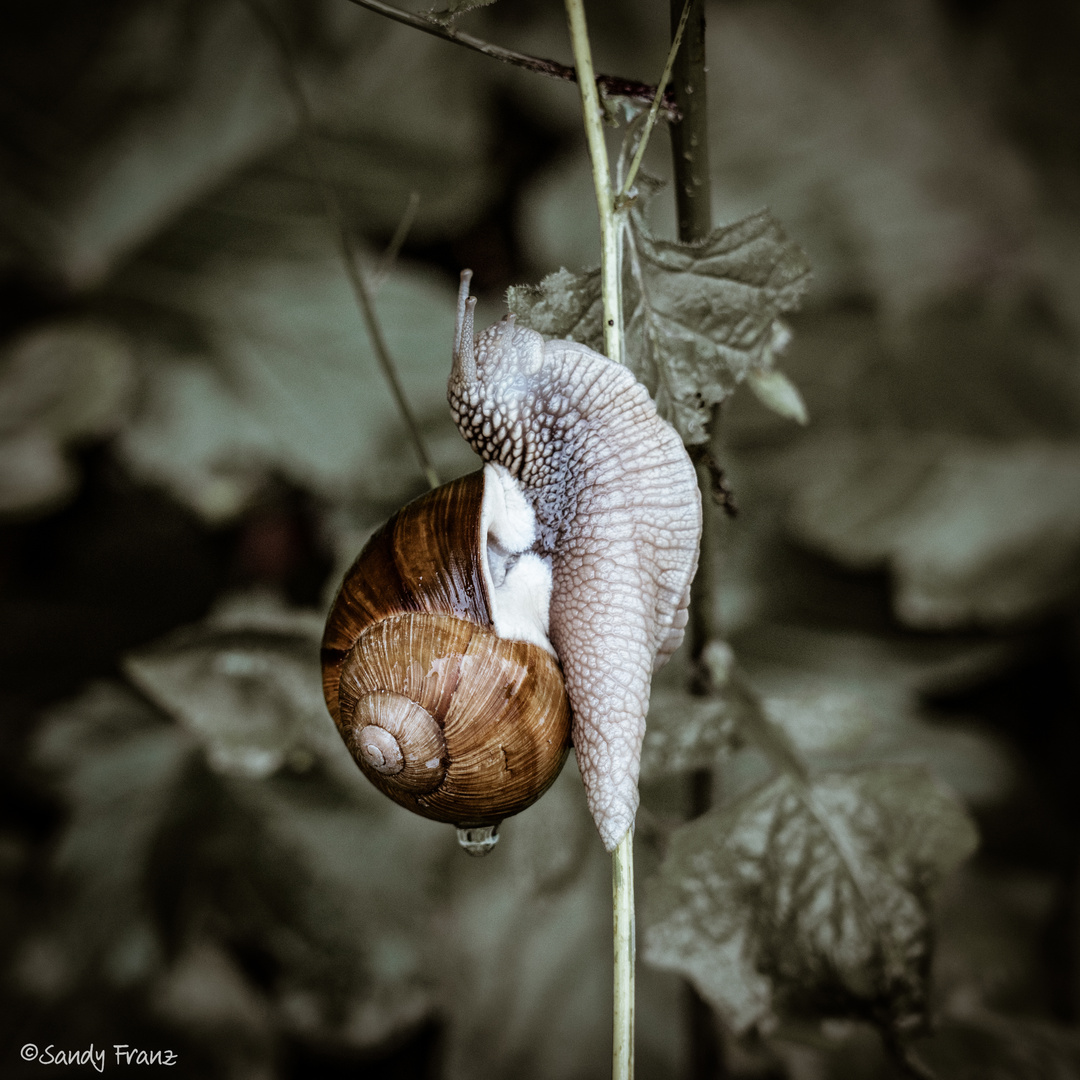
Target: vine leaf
{"type": "Point", "coordinates": [699, 318]}
{"type": "Point", "coordinates": [810, 896]}
{"type": "Point", "coordinates": [563, 305]}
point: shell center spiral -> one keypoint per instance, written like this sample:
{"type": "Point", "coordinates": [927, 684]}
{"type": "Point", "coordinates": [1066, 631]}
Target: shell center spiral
{"type": "Point", "coordinates": [380, 750]}
{"type": "Point", "coordinates": [399, 740]}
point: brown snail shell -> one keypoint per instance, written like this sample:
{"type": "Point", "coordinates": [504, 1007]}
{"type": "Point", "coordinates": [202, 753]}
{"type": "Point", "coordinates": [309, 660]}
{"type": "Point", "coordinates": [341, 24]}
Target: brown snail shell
{"type": "Point", "coordinates": [443, 715]}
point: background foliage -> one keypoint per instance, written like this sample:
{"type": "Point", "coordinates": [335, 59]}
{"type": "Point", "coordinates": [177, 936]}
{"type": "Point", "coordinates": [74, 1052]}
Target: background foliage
{"type": "Point", "coordinates": [195, 440]}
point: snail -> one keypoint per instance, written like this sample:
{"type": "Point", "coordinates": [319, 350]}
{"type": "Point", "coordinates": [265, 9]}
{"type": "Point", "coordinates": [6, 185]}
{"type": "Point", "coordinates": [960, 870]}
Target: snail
{"type": "Point", "coordinates": [593, 517]}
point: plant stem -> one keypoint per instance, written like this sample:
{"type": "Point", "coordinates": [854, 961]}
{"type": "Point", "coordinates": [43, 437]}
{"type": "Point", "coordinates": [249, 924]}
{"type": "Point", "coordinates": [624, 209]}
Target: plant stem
{"type": "Point", "coordinates": [594, 134]}
{"type": "Point", "coordinates": [690, 154]}
{"type": "Point", "coordinates": [346, 243]}
{"type": "Point", "coordinates": [622, 900]}
{"type": "Point", "coordinates": [622, 866]}
{"type": "Point", "coordinates": [612, 85]}
{"type": "Point", "coordinates": [690, 137]}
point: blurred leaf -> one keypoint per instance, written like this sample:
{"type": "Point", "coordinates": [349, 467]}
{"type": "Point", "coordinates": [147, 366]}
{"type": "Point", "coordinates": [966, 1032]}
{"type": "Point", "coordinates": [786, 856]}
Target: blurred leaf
{"type": "Point", "coordinates": [698, 317]}
{"type": "Point", "coordinates": [973, 532]}
{"type": "Point", "coordinates": [69, 379]}
{"type": "Point", "coordinates": [204, 989]}
{"type": "Point", "coordinates": [178, 95]}
{"type": "Point", "coordinates": [856, 699]}
{"type": "Point", "coordinates": [246, 684]}
{"type": "Point", "coordinates": [35, 473]}
{"type": "Point", "coordinates": [777, 392]}
{"type": "Point", "coordinates": [341, 888]}
{"type": "Point", "coordinates": [388, 126]}
{"type": "Point", "coordinates": [59, 383]}
{"type": "Point", "coordinates": [169, 100]}
{"type": "Point", "coordinates": [935, 202]}
{"type": "Point", "coordinates": [283, 378]}
{"type": "Point", "coordinates": [810, 896]}
{"type": "Point", "coordinates": [688, 731]}
{"type": "Point", "coordinates": [559, 226]}
{"type": "Point", "coordinates": [990, 1046]}
{"type": "Point", "coordinates": [975, 1044]}
{"type": "Point", "coordinates": [821, 715]}
{"type": "Point", "coordinates": [321, 882]}
{"type": "Point", "coordinates": [685, 732]}
{"type": "Point", "coordinates": [121, 769]}
{"type": "Point", "coordinates": [965, 372]}
{"type": "Point", "coordinates": [206, 995]}
{"type": "Point", "coordinates": [992, 924]}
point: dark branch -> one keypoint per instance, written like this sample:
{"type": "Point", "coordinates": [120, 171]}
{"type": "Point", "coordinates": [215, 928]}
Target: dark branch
{"type": "Point", "coordinates": [690, 137]}
{"type": "Point", "coordinates": [610, 85]}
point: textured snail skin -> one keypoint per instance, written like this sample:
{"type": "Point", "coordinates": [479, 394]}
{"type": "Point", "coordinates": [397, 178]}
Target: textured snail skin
{"type": "Point", "coordinates": [619, 514]}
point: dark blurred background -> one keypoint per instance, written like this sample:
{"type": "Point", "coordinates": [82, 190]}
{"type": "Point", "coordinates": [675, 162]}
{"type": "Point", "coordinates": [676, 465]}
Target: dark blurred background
{"type": "Point", "coordinates": [195, 440]}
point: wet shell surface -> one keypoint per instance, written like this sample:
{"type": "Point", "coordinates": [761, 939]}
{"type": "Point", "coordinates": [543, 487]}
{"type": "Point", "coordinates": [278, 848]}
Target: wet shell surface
{"type": "Point", "coordinates": [441, 713]}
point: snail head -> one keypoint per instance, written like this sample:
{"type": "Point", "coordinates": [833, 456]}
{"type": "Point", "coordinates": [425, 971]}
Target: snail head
{"type": "Point", "coordinates": [494, 373]}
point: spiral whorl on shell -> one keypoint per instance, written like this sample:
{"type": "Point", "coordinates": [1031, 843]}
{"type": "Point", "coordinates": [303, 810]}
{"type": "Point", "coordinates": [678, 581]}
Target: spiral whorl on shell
{"type": "Point", "coordinates": [441, 707]}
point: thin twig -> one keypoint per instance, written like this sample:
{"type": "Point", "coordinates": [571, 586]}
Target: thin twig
{"type": "Point", "coordinates": [346, 244]}
{"type": "Point", "coordinates": [654, 109]}
{"type": "Point", "coordinates": [397, 241]}
{"type": "Point", "coordinates": [611, 85]}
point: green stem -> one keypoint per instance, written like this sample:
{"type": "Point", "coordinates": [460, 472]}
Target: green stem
{"type": "Point", "coordinates": [622, 900]}
{"type": "Point", "coordinates": [594, 134]}
{"type": "Point", "coordinates": [622, 866]}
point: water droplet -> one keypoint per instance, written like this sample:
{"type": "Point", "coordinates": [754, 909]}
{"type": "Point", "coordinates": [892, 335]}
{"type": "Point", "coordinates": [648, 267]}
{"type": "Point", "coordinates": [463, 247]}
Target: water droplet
{"type": "Point", "coordinates": [478, 841]}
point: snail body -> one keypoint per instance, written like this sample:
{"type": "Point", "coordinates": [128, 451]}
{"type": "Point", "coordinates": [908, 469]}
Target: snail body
{"type": "Point", "coordinates": [436, 664]}
{"type": "Point", "coordinates": [618, 512]}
